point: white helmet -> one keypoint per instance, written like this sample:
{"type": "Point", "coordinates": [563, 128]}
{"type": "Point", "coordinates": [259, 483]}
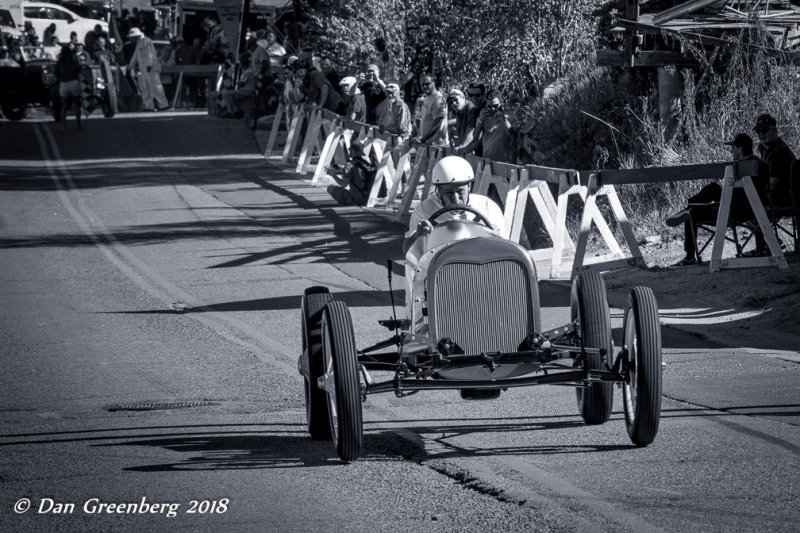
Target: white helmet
{"type": "Point", "coordinates": [452, 169]}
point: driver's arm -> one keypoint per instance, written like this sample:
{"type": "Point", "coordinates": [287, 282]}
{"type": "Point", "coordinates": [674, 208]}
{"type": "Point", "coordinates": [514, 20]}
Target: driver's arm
{"type": "Point", "coordinates": [423, 228]}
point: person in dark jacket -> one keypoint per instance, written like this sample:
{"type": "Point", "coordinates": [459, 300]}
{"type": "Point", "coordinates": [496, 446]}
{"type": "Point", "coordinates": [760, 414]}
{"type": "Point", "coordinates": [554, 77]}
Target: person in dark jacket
{"type": "Point", "coordinates": [68, 71]}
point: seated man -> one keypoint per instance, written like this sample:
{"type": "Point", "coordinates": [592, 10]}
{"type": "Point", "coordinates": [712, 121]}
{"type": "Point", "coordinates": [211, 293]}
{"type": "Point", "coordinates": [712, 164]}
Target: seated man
{"type": "Point", "coordinates": [452, 178]}
{"type": "Point", "coordinates": [355, 186]}
{"type": "Point", "coordinates": [704, 205]}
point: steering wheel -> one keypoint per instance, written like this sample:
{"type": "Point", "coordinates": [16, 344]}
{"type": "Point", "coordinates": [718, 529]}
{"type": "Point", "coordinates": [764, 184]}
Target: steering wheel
{"type": "Point", "coordinates": [479, 217]}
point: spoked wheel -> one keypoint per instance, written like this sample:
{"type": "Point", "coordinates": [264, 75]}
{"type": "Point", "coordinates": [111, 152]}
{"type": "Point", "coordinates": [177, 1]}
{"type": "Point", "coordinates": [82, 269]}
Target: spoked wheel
{"type": "Point", "coordinates": [341, 381]}
{"type": "Point", "coordinates": [641, 395]}
{"type": "Point", "coordinates": [589, 305]}
{"type": "Point", "coordinates": [314, 300]}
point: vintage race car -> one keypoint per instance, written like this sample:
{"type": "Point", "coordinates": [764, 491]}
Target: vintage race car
{"type": "Point", "coordinates": [473, 323]}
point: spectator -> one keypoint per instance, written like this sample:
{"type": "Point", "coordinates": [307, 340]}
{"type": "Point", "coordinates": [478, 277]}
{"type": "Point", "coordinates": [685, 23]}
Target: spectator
{"type": "Point", "coordinates": [167, 58]}
{"type": "Point", "coordinates": [82, 54]}
{"type": "Point", "coordinates": [432, 127]}
{"type": "Point", "coordinates": [327, 68]}
{"type": "Point", "coordinates": [463, 118]}
{"type": "Point", "coordinates": [355, 186]}
{"type": "Point", "coordinates": [123, 23]}
{"type": "Point", "coordinates": [216, 46]}
{"type": "Point", "coordinates": [275, 51]}
{"type": "Point", "coordinates": [452, 178]}
{"type": "Point", "coordinates": [260, 56]}
{"type": "Point", "coordinates": [704, 205]}
{"type": "Point", "coordinates": [49, 35]}
{"type": "Point", "coordinates": [92, 36]}
{"type": "Point", "coordinates": [29, 36]}
{"type": "Point", "coordinates": [495, 131]}
{"type": "Point", "coordinates": [146, 62]}
{"type": "Point", "coordinates": [393, 113]}
{"type": "Point", "coordinates": [318, 89]}
{"type": "Point", "coordinates": [354, 106]}
{"type": "Point", "coordinates": [239, 101]}
{"type": "Point", "coordinates": [5, 58]}
{"type": "Point", "coordinates": [68, 72]}
{"type": "Point", "coordinates": [102, 53]}
{"type": "Point", "coordinates": [778, 158]}
{"type": "Point", "coordinates": [290, 37]}
{"type": "Point", "coordinates": [384, 60]}
{"type": "Point", "coordinates": [372, 87]}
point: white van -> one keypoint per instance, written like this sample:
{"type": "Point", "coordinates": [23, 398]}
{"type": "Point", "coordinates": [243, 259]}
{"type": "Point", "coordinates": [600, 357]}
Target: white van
{"type": "Point", "coordinates": [42, 14]}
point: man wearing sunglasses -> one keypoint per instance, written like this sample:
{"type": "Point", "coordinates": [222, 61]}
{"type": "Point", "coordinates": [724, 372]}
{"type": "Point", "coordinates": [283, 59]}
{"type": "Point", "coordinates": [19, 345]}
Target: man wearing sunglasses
{"type": "Point", "coordinates": [462, 118]}
{"type": "Point", "coordinates": [495, 131]}
{"type": "Point", "coordinates": [433, 116]}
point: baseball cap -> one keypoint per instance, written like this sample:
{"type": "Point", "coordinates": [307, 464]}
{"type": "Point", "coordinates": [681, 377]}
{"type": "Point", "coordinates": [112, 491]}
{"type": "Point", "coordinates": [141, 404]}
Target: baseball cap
{"type": "Point", "coordinates": [764, 122]}
{"type": "Point", "coordinates": [742, 140]}
{"type": "Point", "coordinates": [348, 81]}
{"type": "Point", "coordinates": [455, 92]}
{"type": "Point", "coordinates": [135, 32]}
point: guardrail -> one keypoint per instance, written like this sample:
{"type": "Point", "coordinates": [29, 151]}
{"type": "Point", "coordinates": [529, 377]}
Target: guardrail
{"type": "Point", "coordinates": [525, 191]}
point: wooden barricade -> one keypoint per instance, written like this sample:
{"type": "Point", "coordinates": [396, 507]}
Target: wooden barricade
{"type": "Point", "coordinates": [740, 176]}
{"type": "Point", "coordinates": [616, 258]}
{"type": "Point", "coordinates": [425, 159]}
{"type": "Point", "coordinates": [734, 175]}
{"type": "Point", "coordinates": [281, 117]}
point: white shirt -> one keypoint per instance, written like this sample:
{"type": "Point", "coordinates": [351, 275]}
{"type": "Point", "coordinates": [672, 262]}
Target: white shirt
{"type": "Point", "coordinates": [486, 206]}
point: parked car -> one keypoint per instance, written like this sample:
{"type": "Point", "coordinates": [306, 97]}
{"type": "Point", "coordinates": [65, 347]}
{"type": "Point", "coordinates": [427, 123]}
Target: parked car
{"type": "Point", "coordinates": [7, 25]}
{"type": "Point", "coordinates": [42, 14]}
{"type": "Point", "coordinates": [33, 83]}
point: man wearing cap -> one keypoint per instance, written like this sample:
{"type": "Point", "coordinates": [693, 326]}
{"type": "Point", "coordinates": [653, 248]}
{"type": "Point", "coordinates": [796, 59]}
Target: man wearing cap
{"type": "Point", "coordinates": [704, 205]}
{"type": "Point", "coordinates": [432, 127]}
{"type": "Point", "coordinates": [778, 157]}
{"type": "Point", "coordinates": [495, 131]}
{"type": "Point", "coordinates": [462, 118]}
{"type": "Point", "coordinates": [354, 106]}
{"type": "Point", "coordinates": [393, 113]}
{"type": "Point", "coordinates": [373, 88]}
{"type": "Point", "coordinates": [452, 178]}
{"type": "Point", "coordinates": [146, 62]}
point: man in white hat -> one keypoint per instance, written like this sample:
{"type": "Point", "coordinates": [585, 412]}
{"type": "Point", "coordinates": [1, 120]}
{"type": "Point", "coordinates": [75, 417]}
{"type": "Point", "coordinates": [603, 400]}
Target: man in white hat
{"type": "Point", "coordinates": [145, 61]}
{"type": "Point", "coordinates": [452, 179]}
{"type": "Point", "coordinates": [354, 106]}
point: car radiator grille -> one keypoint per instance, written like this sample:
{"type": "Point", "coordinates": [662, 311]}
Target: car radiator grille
{"type": "Point", "coordinates": [483, 307]}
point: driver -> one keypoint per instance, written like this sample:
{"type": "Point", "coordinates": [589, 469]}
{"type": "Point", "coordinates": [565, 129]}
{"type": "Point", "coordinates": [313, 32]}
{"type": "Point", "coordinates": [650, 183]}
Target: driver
{"type": "Point", "coordinates": [452, 179]}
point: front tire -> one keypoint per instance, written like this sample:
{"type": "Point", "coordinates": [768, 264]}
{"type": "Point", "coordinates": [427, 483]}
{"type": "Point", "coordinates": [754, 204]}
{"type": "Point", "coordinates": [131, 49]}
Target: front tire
{"type": "Point", "coordinates": [589, 305]}
{"type": "Point", "coordinates": [641, 395]}
{"type": "Point", "coordinates": [342, 385]}
{"type": "Point", "coordinates": [312, 304]}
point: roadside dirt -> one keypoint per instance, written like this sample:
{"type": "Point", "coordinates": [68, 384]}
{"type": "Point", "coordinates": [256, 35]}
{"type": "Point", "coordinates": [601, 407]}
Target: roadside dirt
{"type": "Point", "coordinates": [754, 308]}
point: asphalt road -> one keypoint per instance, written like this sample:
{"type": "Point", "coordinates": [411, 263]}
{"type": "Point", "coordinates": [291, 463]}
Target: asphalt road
{"type": "Point", "coordinates": [150, 282]}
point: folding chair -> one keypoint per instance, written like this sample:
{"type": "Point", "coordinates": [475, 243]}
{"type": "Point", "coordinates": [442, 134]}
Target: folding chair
{"type": "Point", "coordinates": [710, 228]}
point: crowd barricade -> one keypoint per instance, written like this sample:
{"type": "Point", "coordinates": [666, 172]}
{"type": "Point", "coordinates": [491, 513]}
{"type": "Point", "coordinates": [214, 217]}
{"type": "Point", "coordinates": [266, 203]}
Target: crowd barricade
{"type": "Point", "coordinates": [403, 174]}
{"type": "Point", "coordinates": [734, 175]}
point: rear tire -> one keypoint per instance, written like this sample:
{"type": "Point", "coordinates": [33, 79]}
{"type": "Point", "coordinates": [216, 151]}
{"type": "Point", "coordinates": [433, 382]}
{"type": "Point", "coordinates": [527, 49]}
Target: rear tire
{"type": "Point", "coordinates": [342, 383]}
{"type": "Point", "coordinates": [106, 104]}
{"type": "Point", "coordinates": [15, 112]}
{"type": "Point", "coordinates": [642, 339]}
{"type": "Point", "coordinates": [589, 305]}
{"type": "Point", "coordinates": [314, 300]}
